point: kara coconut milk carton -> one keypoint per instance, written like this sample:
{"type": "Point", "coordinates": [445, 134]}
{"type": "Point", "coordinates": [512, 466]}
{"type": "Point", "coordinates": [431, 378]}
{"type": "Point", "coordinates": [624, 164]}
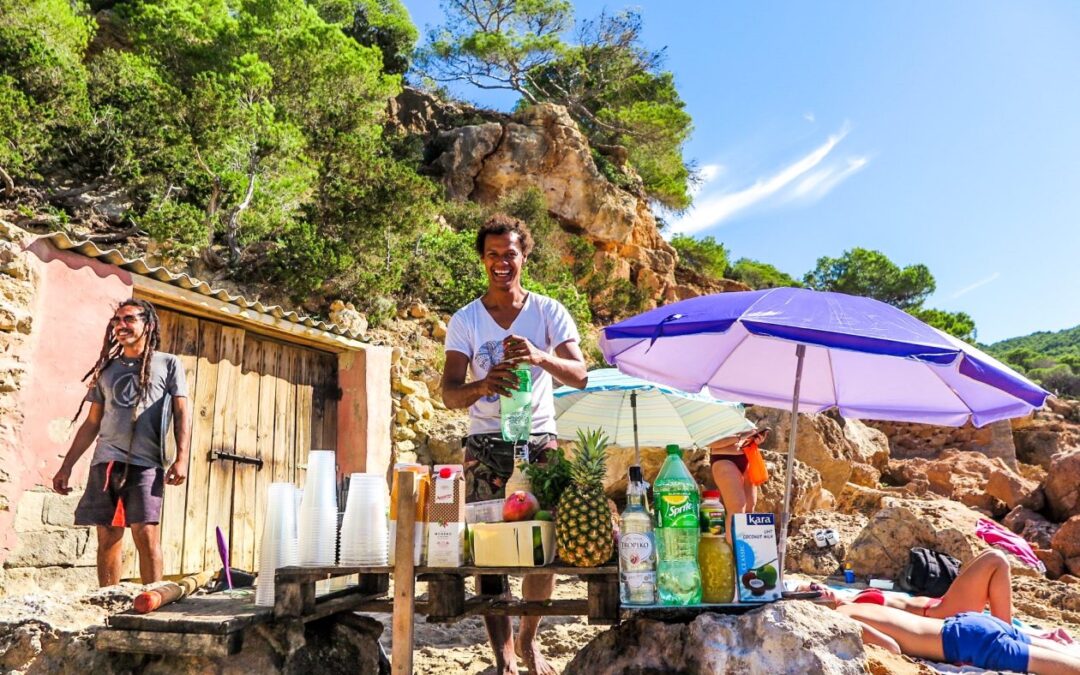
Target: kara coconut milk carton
{"type": "Point", "coordinates": [756, 567]}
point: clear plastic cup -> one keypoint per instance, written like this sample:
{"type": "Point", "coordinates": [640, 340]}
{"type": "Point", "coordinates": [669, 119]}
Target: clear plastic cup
{"type": "Point", "coordinates": [279, 546]}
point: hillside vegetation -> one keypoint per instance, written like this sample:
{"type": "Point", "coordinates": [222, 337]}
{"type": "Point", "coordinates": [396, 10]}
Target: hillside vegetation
{"type": "Point", "coordinates": [250, 141]}
{"type": "Point", "coordinates": [1051, 359]}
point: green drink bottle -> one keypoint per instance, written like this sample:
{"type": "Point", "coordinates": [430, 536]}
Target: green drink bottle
{"type": "Point", "coordinates": [678, 575]}
{"type": "Point", "coordinates": [515, 411]}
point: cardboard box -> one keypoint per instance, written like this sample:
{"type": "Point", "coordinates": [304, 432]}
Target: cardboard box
{"type": "Point", "coordinates": [446, 517]}
{"type": "Point", "coordinates": [419, 531]}
{"type": "Point", "coordinates": [757, 571]}
{"type": "Point", "coordinates": [529, 543]}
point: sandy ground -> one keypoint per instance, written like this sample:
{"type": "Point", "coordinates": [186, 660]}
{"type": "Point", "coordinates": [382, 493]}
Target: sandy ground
{"type": "Point", "coordinates": [462, 648]}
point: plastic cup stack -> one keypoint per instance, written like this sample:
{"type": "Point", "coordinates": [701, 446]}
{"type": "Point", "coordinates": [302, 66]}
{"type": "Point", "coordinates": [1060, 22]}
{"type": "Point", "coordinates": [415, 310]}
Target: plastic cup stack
{"type": "Point", "coordinates": [278, 540]}
{"type": "Point", "coordinates": [364, 530]}
{"type": "Point", "coordinates": [317, 527]}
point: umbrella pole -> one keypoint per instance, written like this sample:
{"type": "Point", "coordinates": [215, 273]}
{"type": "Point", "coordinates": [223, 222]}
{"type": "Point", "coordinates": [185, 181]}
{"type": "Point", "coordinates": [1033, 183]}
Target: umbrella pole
{"type": "Point", "coordinates": [633, 411]}
{"type": "Point", "coordinates": [800, 353]}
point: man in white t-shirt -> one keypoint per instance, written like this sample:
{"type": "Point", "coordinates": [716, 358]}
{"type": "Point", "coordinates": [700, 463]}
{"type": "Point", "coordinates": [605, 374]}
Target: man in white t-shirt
{"type": "Point", "coordinates": [505, 326]}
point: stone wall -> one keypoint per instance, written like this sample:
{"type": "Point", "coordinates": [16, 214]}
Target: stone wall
{"type": "Point", "coordinates": [51, 553]}
{"type": "Point", "coordinates": [908, 441]}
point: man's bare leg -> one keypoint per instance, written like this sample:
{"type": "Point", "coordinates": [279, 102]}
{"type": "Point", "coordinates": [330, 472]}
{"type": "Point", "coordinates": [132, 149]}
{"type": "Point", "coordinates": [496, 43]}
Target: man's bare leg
{"type": "Point", "coordinates": [534, 587]}
{"type": "Point", "coordinates": [147, 538]}
{"type": "Point", "coordinates": [500, 631]}
{"type": "Point", "coordinates": [110, 553]}
{"type": "Point", "coordinates": [1043, 661]}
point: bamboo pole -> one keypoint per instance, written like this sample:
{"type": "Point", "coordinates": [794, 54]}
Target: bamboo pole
{"type": "Point", "coordinates": [404, 576]}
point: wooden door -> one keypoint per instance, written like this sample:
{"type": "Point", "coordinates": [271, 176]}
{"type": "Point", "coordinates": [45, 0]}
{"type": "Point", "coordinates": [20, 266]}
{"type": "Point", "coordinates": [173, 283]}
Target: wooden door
{"type": "Point", "coordinates": [249, 396]}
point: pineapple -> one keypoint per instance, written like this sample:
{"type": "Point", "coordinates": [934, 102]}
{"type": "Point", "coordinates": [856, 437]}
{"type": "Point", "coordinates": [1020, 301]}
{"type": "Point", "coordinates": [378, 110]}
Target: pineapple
{"type": "Point", "coordinates": [583, 520]}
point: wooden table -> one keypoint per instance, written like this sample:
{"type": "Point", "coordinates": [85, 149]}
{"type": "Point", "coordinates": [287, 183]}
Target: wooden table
{"type": "Point", "coordinates": [446, 602]}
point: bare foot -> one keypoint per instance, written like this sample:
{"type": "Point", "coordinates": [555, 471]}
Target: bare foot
{"type": "Point", "coordinates": [533, 659]}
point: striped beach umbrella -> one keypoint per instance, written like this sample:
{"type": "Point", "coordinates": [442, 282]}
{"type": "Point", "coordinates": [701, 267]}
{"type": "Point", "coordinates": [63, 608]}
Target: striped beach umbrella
{"type": "Point", "coordinates": [635, 411]}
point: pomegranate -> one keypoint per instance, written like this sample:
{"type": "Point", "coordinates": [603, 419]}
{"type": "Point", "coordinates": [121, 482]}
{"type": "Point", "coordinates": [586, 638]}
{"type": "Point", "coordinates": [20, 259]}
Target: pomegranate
{"type": "Point", "coordinates": [519, 506]}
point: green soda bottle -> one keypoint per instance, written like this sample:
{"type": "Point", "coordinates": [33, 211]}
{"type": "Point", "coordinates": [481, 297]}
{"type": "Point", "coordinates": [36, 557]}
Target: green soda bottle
{"type": "Point", "coordinates": [515, 411]}
{"type": "Point", "coordinates": [678, 575]}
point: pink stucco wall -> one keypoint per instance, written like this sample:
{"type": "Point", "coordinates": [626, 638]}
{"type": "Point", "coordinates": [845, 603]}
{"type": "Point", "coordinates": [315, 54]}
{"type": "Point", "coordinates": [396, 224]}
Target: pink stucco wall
{"type": "Point", "coordinates": [75, 298]}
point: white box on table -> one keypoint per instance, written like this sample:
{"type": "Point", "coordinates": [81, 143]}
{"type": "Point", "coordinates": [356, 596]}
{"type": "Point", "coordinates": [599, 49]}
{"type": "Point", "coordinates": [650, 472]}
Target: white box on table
{"type": "Point", "coordinates": [529, 543]}
{"type": "Point", "coordinates": [757, 572]}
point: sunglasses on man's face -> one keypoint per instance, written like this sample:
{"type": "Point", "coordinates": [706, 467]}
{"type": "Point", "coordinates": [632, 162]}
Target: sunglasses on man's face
{"type": "Point", "coordinates": [128, 320]}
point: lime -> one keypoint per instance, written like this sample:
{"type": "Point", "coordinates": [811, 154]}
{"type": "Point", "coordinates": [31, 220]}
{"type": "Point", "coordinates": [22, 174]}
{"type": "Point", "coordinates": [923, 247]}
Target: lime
{"type": "Point", "coordinates": [768, 574]}
{"type": "Point", "coordinates": [543, 515]}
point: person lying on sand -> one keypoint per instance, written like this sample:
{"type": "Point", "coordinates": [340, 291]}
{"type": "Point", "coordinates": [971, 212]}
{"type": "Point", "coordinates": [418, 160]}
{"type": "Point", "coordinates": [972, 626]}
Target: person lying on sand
{"type": "Point", "coordinates": [969, 638]}
{"type": "Point", "coordinates": [984, 580]}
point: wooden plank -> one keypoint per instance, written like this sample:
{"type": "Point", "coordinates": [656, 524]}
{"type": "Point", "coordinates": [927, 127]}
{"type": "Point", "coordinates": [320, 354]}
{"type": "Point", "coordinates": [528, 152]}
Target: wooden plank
{"type": "Point", "coordinates": [404, 581]}
{"type": "Point", "coordinates": [284, 422]}
{"type": "Point", "coordinates": [202, 438]}
{"type": "Point", "coordinates": [220, 489]}
{"type": "Point", "coordinates": [216, 613]}
{"type": "Point", "coordinates": [269, 352]}
{"type": "Point", "coordinates": [169, 644]}
{"type": "Point", "coordinates": [330, 411]}
{"type": "Point", "coordinates": [290, 574]}
{"type": "Point", "coordinates": [487, 606]}
{"type": "Point", "coordinates": [304, 375]}
{"type": "Point", "coordinates": [184, 343]}
{"type": "Point", "coordinates": [318, 372]}
{"type": "Point", "coordinates": [603, 599]}
{"type": "Point", "coordinates": [245, 476]}
{"type": "Point", "coordinates": [446, 596]}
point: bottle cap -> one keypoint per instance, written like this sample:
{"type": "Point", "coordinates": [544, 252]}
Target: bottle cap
{"type": "Point", "coordinates": [446, 472]}
{"type": "Point", "coordinates": [674, 449]}
{"type": "Point", "coordinates": [711, 494]}
{"type": "Point", "coordinates": [636, 475]}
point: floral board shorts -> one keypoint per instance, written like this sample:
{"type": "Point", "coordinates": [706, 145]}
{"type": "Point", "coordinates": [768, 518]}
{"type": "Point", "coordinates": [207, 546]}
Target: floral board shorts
{"type": "Point", "coordinates": [489, 461]}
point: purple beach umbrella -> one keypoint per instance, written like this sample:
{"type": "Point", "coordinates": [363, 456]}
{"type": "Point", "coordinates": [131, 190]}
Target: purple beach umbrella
{"type": "Point", "coordinates": [810, 351]}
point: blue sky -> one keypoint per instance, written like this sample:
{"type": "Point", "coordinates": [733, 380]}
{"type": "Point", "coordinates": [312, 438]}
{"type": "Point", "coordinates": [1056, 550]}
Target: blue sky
{"type": "Point", "coordinates": [943, 133]}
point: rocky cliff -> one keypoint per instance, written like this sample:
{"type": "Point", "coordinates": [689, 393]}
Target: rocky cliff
{"type": "Point", "coordinates": [483, 157]}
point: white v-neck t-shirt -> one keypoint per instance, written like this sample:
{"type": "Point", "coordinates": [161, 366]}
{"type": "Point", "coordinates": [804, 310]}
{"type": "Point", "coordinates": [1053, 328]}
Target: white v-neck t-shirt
{"type": "Point", "coordinates": [474, 333]}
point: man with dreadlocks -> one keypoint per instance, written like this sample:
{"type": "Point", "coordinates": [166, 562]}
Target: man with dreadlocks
{"type": "Point", "coordinates": [134, 391]}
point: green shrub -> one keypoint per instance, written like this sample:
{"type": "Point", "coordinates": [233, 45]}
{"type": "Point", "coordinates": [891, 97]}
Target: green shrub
{"type": "Point", "coordinates": [705, 256]}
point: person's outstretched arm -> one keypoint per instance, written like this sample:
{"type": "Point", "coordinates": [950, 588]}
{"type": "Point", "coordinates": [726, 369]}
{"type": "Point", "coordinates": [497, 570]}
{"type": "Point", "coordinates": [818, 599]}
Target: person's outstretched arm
{"type": "Point", "coordinates": [873, 636]}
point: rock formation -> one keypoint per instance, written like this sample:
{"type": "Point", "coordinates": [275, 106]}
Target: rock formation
{"type": "Point", "coordinates": [788, 637]}
{"type": "Point", "coordinates": [483, 157]}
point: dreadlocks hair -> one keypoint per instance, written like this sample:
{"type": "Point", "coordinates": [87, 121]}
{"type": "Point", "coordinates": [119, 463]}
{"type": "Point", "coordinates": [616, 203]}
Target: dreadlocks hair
{"type": "Point", "coordinates": [111, 350]}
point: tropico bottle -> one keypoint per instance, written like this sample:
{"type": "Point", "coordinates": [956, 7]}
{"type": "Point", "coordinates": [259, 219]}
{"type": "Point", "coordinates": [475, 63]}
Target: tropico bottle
{"type": "Point", "coordinates": [678, 576]}
{"type": "Point", "coordinates": [714, 553]}
{"type": "Point", "coordinates": [637, 546]}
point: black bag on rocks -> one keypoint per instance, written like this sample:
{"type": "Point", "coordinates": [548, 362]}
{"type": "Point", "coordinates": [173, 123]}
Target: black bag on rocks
{"type": "Point", "coordinates": [929, 572]}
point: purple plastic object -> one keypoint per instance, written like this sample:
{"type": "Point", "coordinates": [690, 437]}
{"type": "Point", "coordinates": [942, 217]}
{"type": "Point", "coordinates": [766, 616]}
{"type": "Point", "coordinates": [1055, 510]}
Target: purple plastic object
{"type": "Point", "coordinates": [223, 549]}
{"type": "Point", "coordinates": [866, 358]}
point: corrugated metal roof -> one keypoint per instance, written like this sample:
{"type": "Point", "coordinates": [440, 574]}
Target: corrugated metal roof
{"type": "Point", "coordinates": [138, 266]}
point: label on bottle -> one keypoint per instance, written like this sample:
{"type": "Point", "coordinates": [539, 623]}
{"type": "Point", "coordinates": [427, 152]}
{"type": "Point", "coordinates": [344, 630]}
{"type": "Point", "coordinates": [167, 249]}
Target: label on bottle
{"type": "Point", "coordinates": [677, 510]}
{"type": "Point", "coordinates": [640, 582]}
{"type": "Point", "coordinates": [635, 549]}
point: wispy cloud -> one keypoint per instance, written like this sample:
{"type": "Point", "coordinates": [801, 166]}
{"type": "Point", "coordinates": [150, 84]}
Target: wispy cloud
{"type": "Point", "coordinates": [978, 284]}
{"type": "Point", "coordinates": [808, 116]}
{"type": "Point", "coordinates": [819, 183]}
{"type": "Point", "coordinates": [807, 179]}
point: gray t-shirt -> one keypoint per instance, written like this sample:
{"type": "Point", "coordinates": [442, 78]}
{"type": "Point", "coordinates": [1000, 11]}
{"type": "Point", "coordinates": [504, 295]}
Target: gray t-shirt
{"type": "Point", "coordinates": [118, 390]}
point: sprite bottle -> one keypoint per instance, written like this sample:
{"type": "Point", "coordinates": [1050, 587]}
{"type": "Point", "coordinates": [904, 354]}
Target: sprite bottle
{"type": "Point", "coordinates": [678, 576]}
{"type": "Point", "coordinates": [515, 411]}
